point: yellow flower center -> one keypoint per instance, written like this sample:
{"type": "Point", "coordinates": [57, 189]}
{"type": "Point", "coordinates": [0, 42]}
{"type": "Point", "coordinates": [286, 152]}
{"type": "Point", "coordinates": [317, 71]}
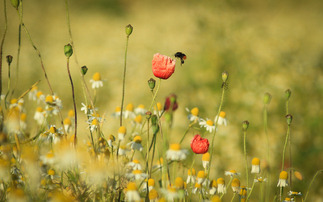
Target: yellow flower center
{"type": "Point", "coordinates": [111, 137]}
{"type": "Point", "coordinates": [201, 174]}
{"type": "Point", "coordinates": [39, 93]}
{"type": "Point", "coordinates": [129, 107]}
{"type": "Point", "coordinates": [175, 147]}
{"type": "Point", "coordinates": [43, 182]}
{"type": "Point", "coordinates": [49, 99]}
{"type": "Point", "coordinates": [213, 183]}
{"type": "Point", "coordinates": [51, 172]}
{"type": "Point", "coordinates": [138, 119]}
{"type": "Point", "coordinates": [222, 114]}
{"type": "Point", "coordinates": [153, 194]}
{"type": "Point", "coordinates": [123, 147]}
{"type": "Point", "coordinates": [97, 77]}
{"type": "Point", "coordinates": [67, 121]}
{"type": "Point", "coordinates": [179, 182]}
{"type": "Point", "coordinates": [13, 101]}
{"type": "Point", "coordinates": [23, 117]}
{"type": "Point", "coordinates": [135, 161]}
{"type": "Point", "coordinates": [39, 109]}
{"type": "Point", "coordinates": [159, 105]}
{"type": "Point", "coordinates": [233, 171]}
{"type": "Point", "coordinates": [52, 129]}
{"type": "Point", "coordinates": [195, 111]}
{"type": "Point", "coordinates": [220, 180]}
{"type": "Point", "coordinates": [151, 182]}
{"type": "Point", "coordinates": [215, 199]}
{"type": "Point", "coordinates": [95, 122]}
{"type": "Point", "coordinates": [206, 157]}
{"type": "Point", "coordinates": [131, 186]}
{"type": "Point", "coordinates": [136, 172]}
{"type": "Point", "coordinates": [283, 175]}
{"type": "Point", "coordinates": [235, 182]}
{"type": "Point", "coordinates": [172, 189]}
{"type": "Point", "coordinates": [50, 155]}
{"type": "Point", "coordinates": [255, 161]}
{"type": "Point", "coordinates": [122, 130]}
{"type": "Point", "coordinates": [34, 88]}
{"type": "Point", "coordinates": [287, 199]}
{"type": "Point", "coordinates": [137, 139]}
{"type": "Point", "coordinates": [193, 172]}
{"type": "Point", "coordinates": [197, 185]}
{"type": "Point", "coordinates": [209, 122]}
{"type": "Point", "coordinates": [118, 109]}
{"type": "Point", "coordinates": [141, 106]}
{"type": "Point", "coordinates": [71, 113]}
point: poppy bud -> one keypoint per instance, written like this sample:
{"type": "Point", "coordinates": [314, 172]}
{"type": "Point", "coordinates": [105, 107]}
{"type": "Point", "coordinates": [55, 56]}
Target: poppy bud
{"type": "Point", "coordinates": [199, 145]}
{"type": "Point", "coordinates": [9, 59]}
{"type": "Point", "coordinates": [225, 76]}
{"type": "Point", "coordinates": [68, 50]}
{"type": "Point", "coordinates": [287, 94]}
{"type": "Point", "coordinates": [267, 98]}
{"type": "Point", "coordinates": [151, 83]}
{"type": "Point", "coordinates": [148, 114]}
{"type": "Point", "coordinates": [289, 119]}
{"type": "Point", "coordinates": [84, 70]}
{"type": "Point", "coordinates": [15, 3]}
{"type": "Point", "coordinates": [129, 29]}
{"type": "Point", "coordinates": [245, 125]}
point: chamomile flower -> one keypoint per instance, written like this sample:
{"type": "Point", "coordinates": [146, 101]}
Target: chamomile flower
{"type": "Point", "coordinates": [191, 176]}
{"type": "Point", "coordinates": [136, 143]}
{"type": "Point", "coordinates": [175, 153]}
{"type": "Point", "coordinates": [122, 150]}
{"type": "Point", "coordinates": [138, 120]}
{"type": "Point", "coordinates": [136, 175]}
{"type": "Point", "coordinates": [231, 173]}
{"type": "Point", "coordinates": [13, 103]}
{"type": "Point", "coordinates": [135, 165]}
{"type": "Point", "coordinates": [55, 134]}
{"type": "Point", "coordinates": [201, 176]}
{"type": "Point", "coordinates": [67, 124]}
{"type": "Point", "coordinates": [235, 184]}
{"type": "Point", "coordinates": [215, 199]}
{"type": "Point", "coordinates": [23, 124]}
{"type": "Point", "coordinates": [140, 110]}
{"type": "Point", "coordinates": [221, 186]}
{"type": "Point", "coordinates": [171, 193]}
{"type": "Point", "coordinates": [32, 93]}
{"type": "Point", "coordinates": [259, 179]}
{"type": "Point", "coordinates": [179, 183]}
{"type": "Point", "coordinates": [160, 109]}
{"type": "Point", "coordinates": [207, 124]}
{"type": "Point", "coordinates": [151, 185]}
{"type": "Point", "coordinates": [294, 193]}
{"type": "Point", "coordinates": [198, 189]}
{"type": "Point", "coordinates": [153, 195]}
{"type": "Point", "coordinates": [283, 176]}
{"type": "Point", "coordinates": [194, 114]}
{"type": "Point", "coordinates": [222, 120]}
{"type": "Point", "coordinates": [117, 112]}
{"type": "Point", "coordinates": [213, 187]}
{"type": "Point", "coordinates": [93, 125]}
{"type": "Point", "coordinates": [39, 116]}
{"type": "Point", "coordinates": [132, 193]}
{"type": "Point", "coordinates": [87, 109]}
{"type": "Point", "coordinates": [206, 160]}
{"type": "Point", "coordinates": [96, 81]}
{"type": "Point", "coordinates": [49, 158]}
{"type": "Point", "coordinates": [287, 199]}
{"type": "Point", "coordinates": [40, 96]}
{"type": "Point", "coordinates": [255, 166]}
{"type": "Point", "coordinates": [159, 165]}
{"type": "Point", "coordinates": [51, 174]}
{"type": "Point", "coordinates": [129, 112]}
{"type": "Point", "coordinates": [110, 140]}
{"type": "Point", "coordinates": [122, 133]}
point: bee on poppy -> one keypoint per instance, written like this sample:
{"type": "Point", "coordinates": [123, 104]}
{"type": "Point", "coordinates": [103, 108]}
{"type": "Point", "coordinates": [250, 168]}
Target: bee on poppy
{"type": "Point", "coordinates": [180, 55]}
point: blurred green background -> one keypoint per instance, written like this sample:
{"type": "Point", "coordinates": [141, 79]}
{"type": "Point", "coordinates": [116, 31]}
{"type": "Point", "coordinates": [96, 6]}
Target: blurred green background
{"type": "Point", "coordinates": [266, 46]}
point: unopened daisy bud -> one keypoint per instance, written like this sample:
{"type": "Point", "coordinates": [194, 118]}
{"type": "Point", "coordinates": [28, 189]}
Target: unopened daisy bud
{"type": "Point", "coordinates": [287, 94]}
{"type": "Point", "coordinates": [84, 70]}
{"type": "Point", "coordinates": [9, 59]}
{"type": "Point", "coordinates": [283, 176]}
{"type": "Point", "coordinates": [68, 50]}
{"type": "Point", "coordinates": [267, 98]}
{"type": "Point", "coordinates": [245, 125]}
{"type": "Point", "coordinates": [225, 76]}
{"type": "Point", "coordinates": [235, 184]}
{"type": "Point", "coordinates": [289, 119]}
{"type": "Point", "coordinates": [255, 165]}
{"type": "Point", "coordinates": [179, 183]}
{"type": "Point", "coordinates": [148, 115]}
{"type": "Point", "coordinates": [129, 30]}
{"type": "Point", "coordinates": [151, 83]}
{"type": "Point", "coordinates": [15, 3]}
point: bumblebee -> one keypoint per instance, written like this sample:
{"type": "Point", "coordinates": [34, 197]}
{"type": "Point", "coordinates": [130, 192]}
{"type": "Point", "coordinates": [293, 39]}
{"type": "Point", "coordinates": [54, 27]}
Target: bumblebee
{"type": "Point", "coordinates": [180, 55]}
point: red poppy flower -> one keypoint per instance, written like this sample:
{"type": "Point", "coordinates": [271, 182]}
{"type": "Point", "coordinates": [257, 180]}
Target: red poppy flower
{"type": "Point", "coordinates": [163, 67]}
{"type": "Point", "coordinates": [199, 145]}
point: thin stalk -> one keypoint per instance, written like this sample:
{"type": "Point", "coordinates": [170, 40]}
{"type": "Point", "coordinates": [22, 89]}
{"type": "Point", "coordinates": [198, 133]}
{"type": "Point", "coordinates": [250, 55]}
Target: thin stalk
{"type": "Point", "coordinates": [147, 160]}
{"type": "Point", "coordinates": [285, 147]}
{"type": "Point", "coordinates": [9, 81]}
{"type": "Point", "coordinates": [268, 161]}
{"type": "Point", "coordinates": [233, 197]}
{"type": "Point", "coordinates": [253, 184]}
{"type": "Point", "coordinates": [245, 155]}
{"type": "Point", "coordinates": [290, 152]}
{"type": "Point", "coordinates": [73, 96]}
{"type": "Point", "coordinates": [227, 187]}
{"type": "Point", "coordinates": [309, 187]}
{"type": "Point", "coordinates": [2, 41]}
{"type": "Point", "coordinates": [124, 78]}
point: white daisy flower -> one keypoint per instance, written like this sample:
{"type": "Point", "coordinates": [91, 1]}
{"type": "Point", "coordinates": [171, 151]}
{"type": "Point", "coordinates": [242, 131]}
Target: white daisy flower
{"type": "Point", "coordinates": [201, 176]}
{"type": "Point", "coordinates": [153, 195]}
{"type": "Point", "coordinates": [132, 193]}
{"type": "Point", "coordinates": [206, 160]}
{"type": "Point", "coordinates": [136, 175]}
{"type": "Point", "coordinates": [221, 186]}
{"type": "Point", "coordinates": [135, 165]}
{"type": "Point", "coordinates": [213, 187]}
{"type": "Point", "coordinates": [32, 93]}
{"type": "Point", "coordinates": [231, 173]}
{"type": "Point", "coordinates": [129, 112]}
{"type": "Point", "coordinates": [40, 96]}
{"type": "Point", "coordinates": [283, 176]}
{"type": "Point", "coordinates": [193, 116]}
{"type": "Point", "coordinates": [222, 120]}
{"type": "Point", "coordinates": [117, 112]}
{"type": "Point", "coordinates": [140, 110]}
{"type": "Point", "coordinates": [49, 158]}
{"type": "Point", "coordinates": [160, 109]}
{"type": "Point", "coordinates": [191, 176]}
{"type": "Point", "coordinates": [136, 143]}
{"type": "Point", "coordinates": [39, 116]}
{"type": "Point", "coordinates": [287, 199]}
{"type": "Point", "coordinates": [175, 153]}
{"type": "Point", "coordinates": [93, 125]}
{"type": "Point", "coordinates": [235, 184]}
{"type": "Point", "coordinates": [198, 189]}
{"type": "Point", "coordinates": [122, 150]}
{"type": "Point", "coordinates": [96, 81]}
{"type": "Point", "coordinates": [110, 140]}
{"type": "Point", "coordinates": [138, 120]}
{"type": "Point", "coordinates": [23, 124]}
{"type": "Point", "coordinates": [255, 166]}
{"type": "Point", "coordinates": [67, 124]}
{"type": "Point", "coordinates": [171, 193]}
{"type": "Point", "coordinates": [259, 179]}
{"type": "Point", "coordinates": [208, 125]}
{"type": "Point", "coordinates": [294, 193]}
{"type": "Point", "coordinates": [122, 133]}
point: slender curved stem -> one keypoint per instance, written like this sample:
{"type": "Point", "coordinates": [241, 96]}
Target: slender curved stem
{"type": "Point", "coordinates": [124, 79]}
{"type": "Point", "coordinates": [245, 156]}
{"type": "Point", "coordinates": [2, 41]}
{"type": "Point", "coordinates": [268, 160]}
{"type": "Point", "coordinates": [286, 140]}
{"type": "Point", "coordinates": [309, 187]}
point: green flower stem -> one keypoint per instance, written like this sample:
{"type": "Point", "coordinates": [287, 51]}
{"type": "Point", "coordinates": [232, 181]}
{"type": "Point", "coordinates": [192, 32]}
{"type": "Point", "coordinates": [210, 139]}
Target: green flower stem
{"type": "Point", "coordinates": [73, 96]}
{"type": "Point", "coordinates": [95, 95]}
{"type": "Point", "coordinates": [253, 185]}
{"type": "Point", "coordinates": [286, 140]}
{"type": "Point", "coordinates": [124, 78]}
{"type": "Point", "coordinates": [227, 187]}
{"type": "Point", "coordinates": [216, 124]}
{"type": "Point", "coordinates": [268, 160]}
{"type": "Point", "coordinates": [290, 152]}
{"type": "Point", "coordinates": [2, 41]}
{"type": "Point", "coordinates": [9, 81]}
{"type": "Point", "coordinates": [245, 156]}
{"type": "Point", "coordinates": [233, 197]}
{"type": "Point", "coordinates": [309, 187]}
{"type": "Point", "coordinates": [147, 160]}
{"type": "Point", "coordinates": [194, 155]}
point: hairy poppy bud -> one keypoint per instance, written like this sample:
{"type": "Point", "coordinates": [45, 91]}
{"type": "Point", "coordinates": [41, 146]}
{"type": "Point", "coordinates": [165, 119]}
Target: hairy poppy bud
{"type": "Point", "coordinates": [199, 145]}
{"type": "Point", "coordinates": [151, 83]}
{"type": "Point", "coordinates": [68, 50]}
{"type": "Point", "coordinates": [267, 98]}
{"type": "Point", "coordinates": [9, 59]}
{"type": "Point", "coordinates": [225, 76]}
{"type": "Point", "coordinates": [84, 70]}
{"type": "Point", "coordinates": [245, 125]}
{"type": "Point", "coordinates": [287, 94]}
{"type": "Point", "coordinates": [129, 29]}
